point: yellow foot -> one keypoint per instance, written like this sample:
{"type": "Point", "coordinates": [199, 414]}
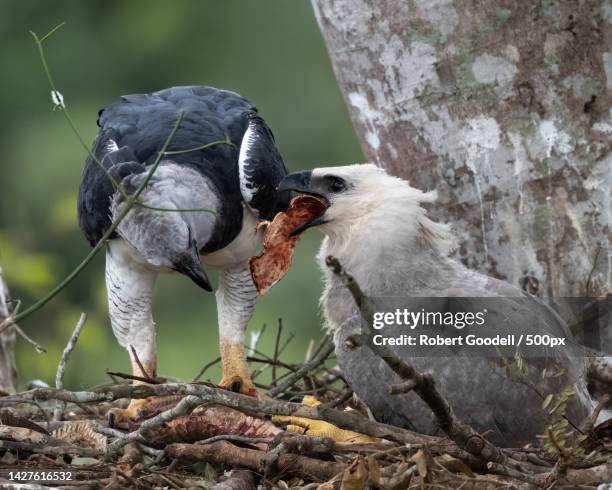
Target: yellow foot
{"type": "Point", "coordinates": [235, 370]}
{"type": "Point", "coordinates": [141, 409]}
{"type": "Point", "coordinates": [320, 428]}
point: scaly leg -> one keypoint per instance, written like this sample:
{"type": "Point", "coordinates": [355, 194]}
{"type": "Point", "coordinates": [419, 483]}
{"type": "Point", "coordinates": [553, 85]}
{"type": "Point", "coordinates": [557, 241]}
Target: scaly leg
{"type": "Point", "coordinates": [236, 298]}
{"type": "Point", "coordinates": [129, 285]}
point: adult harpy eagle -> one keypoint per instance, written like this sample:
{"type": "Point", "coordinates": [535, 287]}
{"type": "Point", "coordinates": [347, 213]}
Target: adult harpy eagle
{"type": "Point", "coordinates": [237, 182]}
{"type": "Point", "coordinates": [376, 227]}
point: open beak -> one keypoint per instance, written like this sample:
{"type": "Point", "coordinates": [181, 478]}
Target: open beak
{"type": "Point", "coordinates": [190, 265]}
{"type": "Point", "coordinates": [302, 182]}
{"type": "Point", "coordinates": [309, 224]}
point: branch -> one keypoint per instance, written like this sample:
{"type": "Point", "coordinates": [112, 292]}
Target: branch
{"type": "Point", "coordinates": [51, 450]}
{"type": "Point", "coordinates": [226, 141]}
{"type": "Point", "coordinates": [148, 378]}
{"type": "Point", "coordinates": [61, 368]}
{"type": "Point", "coordinates": [226, 453]}
{"type": "Point", "coordinates": [184, 406]}
{"type": "Point", "coordinates": [37, 347]}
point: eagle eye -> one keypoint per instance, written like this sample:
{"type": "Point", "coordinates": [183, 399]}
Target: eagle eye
{"type": "Point", "coordinates": [336, 184]}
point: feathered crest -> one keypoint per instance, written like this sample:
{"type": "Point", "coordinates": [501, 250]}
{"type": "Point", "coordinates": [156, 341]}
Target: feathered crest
{"type": "Point", "coordinates": [385, 207]}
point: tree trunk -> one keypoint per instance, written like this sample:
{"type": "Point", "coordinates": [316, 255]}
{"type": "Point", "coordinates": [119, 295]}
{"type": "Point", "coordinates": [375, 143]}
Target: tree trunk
{"type": "Point", "coordinates": [504, 108]}
{"type": "Point", "coordinates": [8, 371]}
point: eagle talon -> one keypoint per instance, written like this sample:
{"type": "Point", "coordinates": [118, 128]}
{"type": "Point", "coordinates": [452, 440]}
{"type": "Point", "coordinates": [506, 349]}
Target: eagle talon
{"type": "Point", "coordinates": [237, 384]}
{"type": "Point", "coordinates": [304, 426]}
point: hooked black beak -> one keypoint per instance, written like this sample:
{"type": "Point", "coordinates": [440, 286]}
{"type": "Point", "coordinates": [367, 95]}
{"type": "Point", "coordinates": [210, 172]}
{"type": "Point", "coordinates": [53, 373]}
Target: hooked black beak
{"type": "Point", "coordinates": [189, 264]}
{"type": "Point", "coordinates": [302, 182]}
{"type": "Point", "coordinates": [297, 181]}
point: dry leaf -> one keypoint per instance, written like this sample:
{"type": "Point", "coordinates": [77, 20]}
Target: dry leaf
{"type": "Point", "coordinates": [420, 458]}
{"type": "Point", "coordinates": [355, 477]}
{"type": "Point", "coordinates": [455, 465]}
{"type": "Point", "coordinates": [374, 472]}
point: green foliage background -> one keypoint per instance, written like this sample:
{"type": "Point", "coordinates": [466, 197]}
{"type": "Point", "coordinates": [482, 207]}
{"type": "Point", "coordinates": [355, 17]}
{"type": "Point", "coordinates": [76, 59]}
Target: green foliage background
{"type": "Point", "coordinates": [270, 51]}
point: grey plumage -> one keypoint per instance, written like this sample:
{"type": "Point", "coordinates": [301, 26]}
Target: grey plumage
{"type": "Point", "coordinates": [168, 239]}
{"type": "Point", "coordinates": [376, 227]}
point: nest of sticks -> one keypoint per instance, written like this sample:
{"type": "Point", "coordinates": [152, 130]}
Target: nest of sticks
{"type": "Point", "coordinates": [195, 435]}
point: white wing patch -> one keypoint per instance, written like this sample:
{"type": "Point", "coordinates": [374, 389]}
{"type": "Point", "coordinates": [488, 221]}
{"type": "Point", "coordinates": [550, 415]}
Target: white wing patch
{"type": "Point", "coordinates": [111, 145]}
{"type": "Point", "coordinates": [247, 188]}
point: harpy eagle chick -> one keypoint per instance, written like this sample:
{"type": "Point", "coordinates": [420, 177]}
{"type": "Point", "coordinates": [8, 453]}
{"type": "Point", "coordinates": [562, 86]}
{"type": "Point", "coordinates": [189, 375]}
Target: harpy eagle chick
{"type": "Point", "coordinates": [376, 227]}
{"type": "Point", "coordinates": [237, 182]}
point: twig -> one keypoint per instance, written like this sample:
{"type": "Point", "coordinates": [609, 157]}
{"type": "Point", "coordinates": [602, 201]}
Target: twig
{"type": "Point", "coordinates": [286, 343]}
{"type": "Point", "coordinates": [59, 104]}
{"type": "Point", "coordinates": [279, 332]}
{"type": "Point", "coordinates": [226, 141]}
{"type": "Point", "coordinates": [271, 362]}
{"type": "Point", "coordinates": [501, 469]}
{"type": "Point", "coordinates": [146, 375]}
{"type": "Point", "coordinates": [224, 452]}
{"type": "Point", "coordinates": [133, 377]}
{"type": "Point", "coordinates": [564, 453]}
{"type": "Point", "coordinates": [346, 396]}
{"type": "Point", "coordinates": [61, 367]}
{"type": "Point", "coordinates": [51, 450]}
{"type": "Point", "coordinates": [184, 406]}
{"type": "Point", "coordinates": [205, 368]}
{"type": "Point", "coordinates": [39, 348]}
{"type": "Point", "coordinates": [601, 473]}
{"type": "Point", "coordinates": [6, 314]}
{"type": "Point", "coordinates": [233, 438]}
{"type": "Point", "coordinates": [318, 359]}
{"type": "Point", "coordinates": [298, 444]}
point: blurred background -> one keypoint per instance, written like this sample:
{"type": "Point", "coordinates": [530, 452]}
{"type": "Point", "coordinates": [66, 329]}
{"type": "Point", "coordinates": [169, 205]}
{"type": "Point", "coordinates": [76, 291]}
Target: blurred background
{"type": "Point", "coordinates": [270, 51]}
